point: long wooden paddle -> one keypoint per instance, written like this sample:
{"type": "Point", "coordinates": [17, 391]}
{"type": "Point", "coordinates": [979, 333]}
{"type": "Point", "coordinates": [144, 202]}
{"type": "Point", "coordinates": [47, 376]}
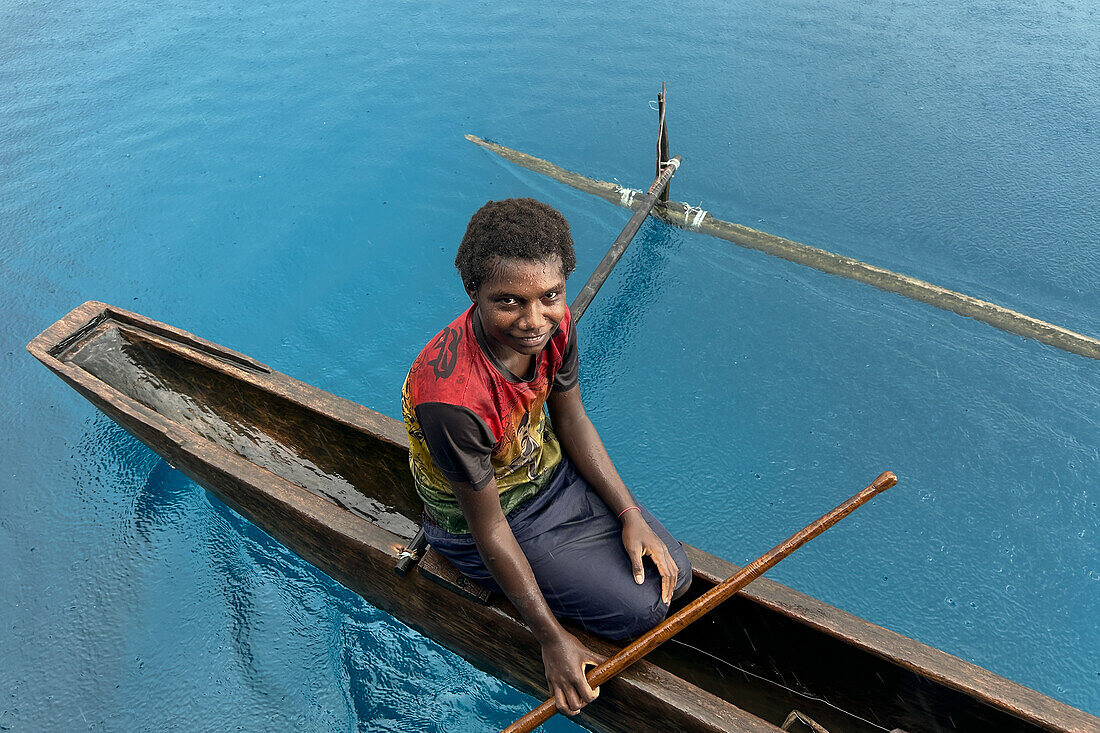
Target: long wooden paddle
{"type": "Point", "coordinates": [708, 601]}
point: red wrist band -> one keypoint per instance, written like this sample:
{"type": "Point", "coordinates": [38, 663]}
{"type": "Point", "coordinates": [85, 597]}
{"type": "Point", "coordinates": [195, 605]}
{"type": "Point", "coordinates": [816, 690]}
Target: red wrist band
{"type": "Point", "coordinates": [624, 511]}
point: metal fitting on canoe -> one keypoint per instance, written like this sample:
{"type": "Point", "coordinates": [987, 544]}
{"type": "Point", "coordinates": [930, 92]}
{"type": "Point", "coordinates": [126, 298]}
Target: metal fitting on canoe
{"type": "Point", "coordinates": [806, 720]}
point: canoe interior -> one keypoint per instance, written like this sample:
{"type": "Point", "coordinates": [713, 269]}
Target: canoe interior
{"type": "Point", "coordinates": [769, 664]}
{"type": "Point", "coordinates": [341, 463]}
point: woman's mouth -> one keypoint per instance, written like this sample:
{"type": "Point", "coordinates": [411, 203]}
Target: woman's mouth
{"type": "Point", "coordinates": [530, 340]}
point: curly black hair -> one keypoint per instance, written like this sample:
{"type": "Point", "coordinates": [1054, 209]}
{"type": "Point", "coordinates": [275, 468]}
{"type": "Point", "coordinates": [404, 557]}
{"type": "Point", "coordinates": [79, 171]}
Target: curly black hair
{"type": "Point", "coordinates": [521, 228]}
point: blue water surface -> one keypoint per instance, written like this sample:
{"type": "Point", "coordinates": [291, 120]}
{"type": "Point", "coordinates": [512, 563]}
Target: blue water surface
{"type": "Point", "coordinates": [290, 179]}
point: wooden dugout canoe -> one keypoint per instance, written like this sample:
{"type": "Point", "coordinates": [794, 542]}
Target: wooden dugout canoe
{"type": "Point", "coordinates": [329, 479]}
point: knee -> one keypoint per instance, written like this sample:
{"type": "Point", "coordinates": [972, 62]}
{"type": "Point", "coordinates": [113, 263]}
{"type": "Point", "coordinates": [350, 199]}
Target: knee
{"type": "Point", "coordinates": [637, 618]}
{"type": "Point", "coordinates": [683, 570]}
{"type": "Point", "coordinates": [682, 586]}
{"type": "Point", "coordinates": [645, 609]}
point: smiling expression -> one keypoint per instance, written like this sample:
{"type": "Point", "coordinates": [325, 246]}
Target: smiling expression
{"type": "Point", "coordinates": [521, 305]}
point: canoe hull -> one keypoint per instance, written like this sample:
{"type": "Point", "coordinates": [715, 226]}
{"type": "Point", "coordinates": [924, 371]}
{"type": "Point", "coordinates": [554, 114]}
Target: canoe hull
{"type": "Point", "coordinates": [202, 417]}
{"type": "Point", "coordinates": [361, 555]}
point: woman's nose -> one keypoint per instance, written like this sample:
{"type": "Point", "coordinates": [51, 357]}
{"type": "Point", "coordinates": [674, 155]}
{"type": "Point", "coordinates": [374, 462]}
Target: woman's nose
{"type": "Point", "coordinates": [532, 319]}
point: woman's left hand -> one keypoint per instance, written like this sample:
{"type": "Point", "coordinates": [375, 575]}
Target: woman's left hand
{"type": "Point", "coordinates": [640, 540]}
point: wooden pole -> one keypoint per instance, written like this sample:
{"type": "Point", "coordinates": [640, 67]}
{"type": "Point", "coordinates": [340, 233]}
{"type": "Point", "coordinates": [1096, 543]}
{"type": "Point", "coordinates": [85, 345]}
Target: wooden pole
{"type": "Point", "coordinates": [648, 200]}
{"type": "Point", "coordinates": [682, 215]}
{"type": "Point", "coordinates": [708, 601]}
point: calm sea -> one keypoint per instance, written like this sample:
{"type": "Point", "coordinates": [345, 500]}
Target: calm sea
{"type": "Point", "coordinates": [290, 179]}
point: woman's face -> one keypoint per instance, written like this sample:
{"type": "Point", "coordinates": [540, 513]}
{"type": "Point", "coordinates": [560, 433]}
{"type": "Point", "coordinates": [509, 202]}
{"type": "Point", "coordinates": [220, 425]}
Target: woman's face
{"type": "Point", "coordinates": [521, 305]}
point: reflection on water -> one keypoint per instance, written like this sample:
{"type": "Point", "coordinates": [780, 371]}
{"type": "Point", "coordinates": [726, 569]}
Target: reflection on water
{"type": "Point", "coordinates": [162, 502]}
{"type": "Point", "coordinates": [379, 690]}
{"type": "Point", "coordinates": [617, 313]}
{"type": "Point", "coordinates": [302, 447]}
{"type": "Point", "coordinates": [167, 503]}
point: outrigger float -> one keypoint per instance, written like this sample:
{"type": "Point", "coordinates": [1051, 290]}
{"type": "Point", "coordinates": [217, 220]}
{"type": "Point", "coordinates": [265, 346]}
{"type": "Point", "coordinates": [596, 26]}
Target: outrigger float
{"type": "Point", "coordinates": [330, 479]}
{"type": "Point", "coordinates": [695, 219]}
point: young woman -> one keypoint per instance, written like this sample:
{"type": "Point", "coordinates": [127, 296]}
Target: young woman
{"type": "Point", "coordinates": [534, 511]}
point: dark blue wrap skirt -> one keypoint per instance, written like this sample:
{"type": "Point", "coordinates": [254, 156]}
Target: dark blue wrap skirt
{"type": "Point", "coordinates": [574, 544]}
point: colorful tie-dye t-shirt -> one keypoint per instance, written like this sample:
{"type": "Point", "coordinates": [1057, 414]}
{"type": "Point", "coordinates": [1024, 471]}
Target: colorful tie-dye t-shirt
{"type": "Point", "coordinates": [470, 419]}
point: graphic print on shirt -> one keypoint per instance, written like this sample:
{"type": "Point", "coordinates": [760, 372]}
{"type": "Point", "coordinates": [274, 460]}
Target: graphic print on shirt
{"type": "Point", "coordinates": [446, 355]}
{"type": "Point", "coordinates": [454, 370]}
{"type": "Point", "coordinates": [525, 438]}
{"type": "Point", "coordinates": [420, 468]}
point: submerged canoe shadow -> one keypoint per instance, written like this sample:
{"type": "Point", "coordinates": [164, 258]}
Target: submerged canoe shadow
{"type": "Point", "coordinates": [167, 502]}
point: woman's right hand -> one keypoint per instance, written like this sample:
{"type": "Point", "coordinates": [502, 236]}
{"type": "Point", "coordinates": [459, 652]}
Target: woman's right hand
{"type": "Point", "coordinates": [563, 656]}
{"type": "Point", "coordinates": [565, 659]}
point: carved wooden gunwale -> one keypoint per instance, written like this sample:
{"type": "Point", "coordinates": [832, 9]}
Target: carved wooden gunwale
{"type": "Point", "coordinates": [678, 691]}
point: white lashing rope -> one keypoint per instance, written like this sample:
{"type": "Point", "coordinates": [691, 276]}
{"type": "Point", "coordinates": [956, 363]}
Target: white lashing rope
{"type": "Point", "coordinates": [693, 216]}
{"type": "Point", "coordinates": [831, 263]}
{"type": "Point", "coordinates": [626, 196]}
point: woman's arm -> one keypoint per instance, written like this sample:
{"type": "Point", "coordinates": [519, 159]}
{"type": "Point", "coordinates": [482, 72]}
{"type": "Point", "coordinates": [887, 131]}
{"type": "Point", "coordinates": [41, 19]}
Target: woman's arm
{"type": "Point", "coordinates": [563, 656]}
{"type": "Point", "coordinates": [582, 444]}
